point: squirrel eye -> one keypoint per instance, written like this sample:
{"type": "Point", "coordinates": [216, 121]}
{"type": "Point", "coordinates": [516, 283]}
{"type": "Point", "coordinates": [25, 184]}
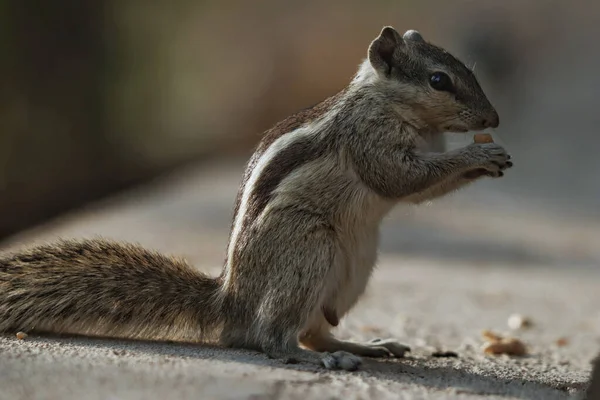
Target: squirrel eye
{"type": "Point", "coordinates": [441, 81]}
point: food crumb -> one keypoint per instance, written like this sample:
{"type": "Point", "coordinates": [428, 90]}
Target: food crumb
{"type": "Point", "coordinates": [498, 345]}
{"type": "Point", "coordinates": [21, 335]}
{"type": "Point", "coordinates": [490, 336]}
{"type": "Point", "coordinates": [483, 138]}
{"type": "Point", "coordinates": [562, 342]}
{"type": "Point", "coordinates": [509, 346]}
{"type": "Point", "coordinates": [444, 354]}
{"type": "Point", "coordinates": [517, 321]}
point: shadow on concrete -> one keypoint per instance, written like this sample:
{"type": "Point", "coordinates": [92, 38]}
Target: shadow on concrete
{"type": "Point", "coordinates": [442, 378]}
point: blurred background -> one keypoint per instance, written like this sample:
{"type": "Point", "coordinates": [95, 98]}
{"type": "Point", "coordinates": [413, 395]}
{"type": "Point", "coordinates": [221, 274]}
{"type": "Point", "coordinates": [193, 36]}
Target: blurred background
{"type": "Point", "coordinates": [99, 97]}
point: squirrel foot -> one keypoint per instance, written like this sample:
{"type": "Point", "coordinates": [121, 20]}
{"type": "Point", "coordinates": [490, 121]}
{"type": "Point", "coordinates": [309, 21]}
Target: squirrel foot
{"type": "Point", "coordinates": [339, 360]}
{"type": "Point", "coordinates": [376, 348]}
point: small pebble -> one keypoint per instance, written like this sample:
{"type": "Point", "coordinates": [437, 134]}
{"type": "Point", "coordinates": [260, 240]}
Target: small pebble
{"type": "Point", "coordinates": [517, 321]}
{"type": "Point", "coordinates": [444, 354]}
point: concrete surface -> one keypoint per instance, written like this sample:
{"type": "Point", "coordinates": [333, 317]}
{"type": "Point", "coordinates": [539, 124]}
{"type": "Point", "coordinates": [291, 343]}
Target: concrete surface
{"type": "Point", "coordinates": [447, 272]}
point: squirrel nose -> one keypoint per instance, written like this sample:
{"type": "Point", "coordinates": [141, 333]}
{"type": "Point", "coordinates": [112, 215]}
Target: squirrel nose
{"type": "Point", "coordinates": [492, 121]}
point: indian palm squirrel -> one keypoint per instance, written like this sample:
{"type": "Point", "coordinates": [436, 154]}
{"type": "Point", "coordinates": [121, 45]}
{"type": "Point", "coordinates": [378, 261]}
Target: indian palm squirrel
{"type": "Point", "coordinates": [305, 230]}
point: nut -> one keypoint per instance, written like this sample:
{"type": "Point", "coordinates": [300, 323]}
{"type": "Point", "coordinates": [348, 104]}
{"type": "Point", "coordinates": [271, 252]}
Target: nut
{"type": "Point", "coordinates": [509, 346]}
{"type": "Point", "coordinates": [483, 138]}
{"type": "Point", "coordinates": [499, 345]}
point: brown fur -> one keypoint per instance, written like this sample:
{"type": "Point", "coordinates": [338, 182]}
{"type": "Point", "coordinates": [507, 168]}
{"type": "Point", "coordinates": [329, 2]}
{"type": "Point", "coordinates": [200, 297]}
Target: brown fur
{"type": "Point", "coordinates": [305, 231]}
{"type": "Point", "coordinates": [94, 287]}
{"type": "Point", "coordinates": [287, 125]}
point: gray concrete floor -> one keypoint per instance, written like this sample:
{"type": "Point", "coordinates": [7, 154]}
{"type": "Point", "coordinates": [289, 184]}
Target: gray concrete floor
{"type": "Point", "coordinates": [447, 271]}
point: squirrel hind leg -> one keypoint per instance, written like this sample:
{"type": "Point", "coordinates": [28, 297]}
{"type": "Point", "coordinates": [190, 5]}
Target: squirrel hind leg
{"type": "Point", "coordinates": [374, 349]}
{"type": "Point", "coordinates": [280, 341]}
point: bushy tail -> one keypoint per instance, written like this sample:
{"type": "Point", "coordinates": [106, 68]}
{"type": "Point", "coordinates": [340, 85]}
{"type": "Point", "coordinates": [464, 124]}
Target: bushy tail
{"type": "Point", "coordinates": [97, 287]}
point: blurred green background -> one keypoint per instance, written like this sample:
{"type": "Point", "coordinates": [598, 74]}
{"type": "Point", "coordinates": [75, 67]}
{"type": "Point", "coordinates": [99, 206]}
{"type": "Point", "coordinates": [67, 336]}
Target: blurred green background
{"type": "Point", "coordinates": [98, 96]}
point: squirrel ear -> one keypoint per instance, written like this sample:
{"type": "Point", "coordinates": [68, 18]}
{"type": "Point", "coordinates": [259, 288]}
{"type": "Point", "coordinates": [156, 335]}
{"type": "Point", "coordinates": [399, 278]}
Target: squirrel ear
{"type": "Point", "coordinates": [381, 50]}
{"type": "Point", "coordinates": [413, 35]}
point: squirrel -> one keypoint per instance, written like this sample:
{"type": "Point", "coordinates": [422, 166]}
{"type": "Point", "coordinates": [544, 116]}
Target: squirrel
{"type": "Point", "coordinates": [305, 230]}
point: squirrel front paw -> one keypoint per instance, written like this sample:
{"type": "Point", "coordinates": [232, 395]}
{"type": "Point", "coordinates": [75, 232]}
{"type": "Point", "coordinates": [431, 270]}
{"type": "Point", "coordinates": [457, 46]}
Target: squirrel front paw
{"type": "Point", "coordinates": [491, 159]}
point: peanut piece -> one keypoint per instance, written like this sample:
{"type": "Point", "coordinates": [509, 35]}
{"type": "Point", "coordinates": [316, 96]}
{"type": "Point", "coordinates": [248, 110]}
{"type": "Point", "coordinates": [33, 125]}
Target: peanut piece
{"type": "Point", "coordinates": [483, 138]}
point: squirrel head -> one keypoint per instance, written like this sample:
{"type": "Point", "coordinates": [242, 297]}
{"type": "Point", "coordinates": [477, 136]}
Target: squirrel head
{"type": "Point", "coordinates": [428, 86]}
